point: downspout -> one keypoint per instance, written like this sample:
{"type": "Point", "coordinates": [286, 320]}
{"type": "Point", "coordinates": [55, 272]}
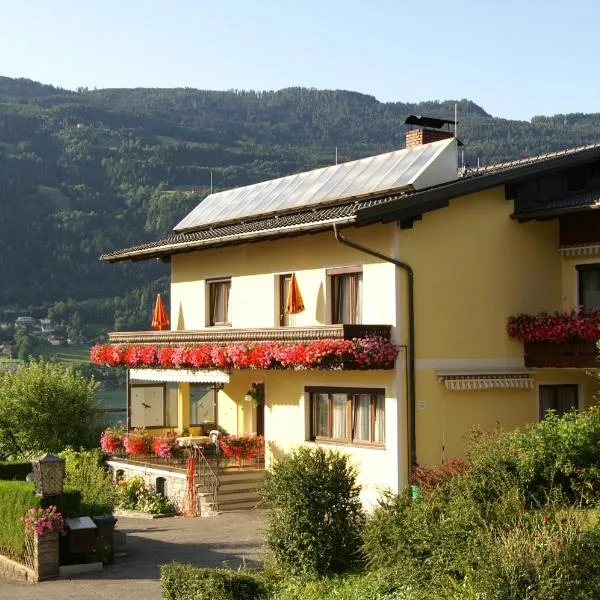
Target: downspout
{"type": "Point", "coordinates": [412, 442]}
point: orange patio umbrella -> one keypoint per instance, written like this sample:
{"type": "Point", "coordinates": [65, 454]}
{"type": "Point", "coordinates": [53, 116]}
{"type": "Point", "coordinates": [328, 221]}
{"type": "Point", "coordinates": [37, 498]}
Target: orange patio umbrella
{"type": "Point", "coordinates": [160, 319]}
{"type": "Point", "coordinates": [294, 304]}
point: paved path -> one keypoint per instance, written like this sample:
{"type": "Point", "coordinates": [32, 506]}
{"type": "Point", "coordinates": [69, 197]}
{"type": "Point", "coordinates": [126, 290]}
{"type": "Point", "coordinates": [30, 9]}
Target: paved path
{"type": "Point", "coordinates": [233, 538]}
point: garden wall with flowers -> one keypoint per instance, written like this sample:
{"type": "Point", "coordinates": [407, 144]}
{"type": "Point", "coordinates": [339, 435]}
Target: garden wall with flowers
{"type": "Point", "coordinates": [557, 328]}
{"type": "Point", "coordinates": [333, 354]}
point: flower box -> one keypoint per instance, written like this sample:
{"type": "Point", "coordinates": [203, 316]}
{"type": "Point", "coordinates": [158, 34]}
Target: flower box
{"type": "Point", "coordinates": [575, 355]}
{"type": "Point", "coordinates": [329, 354]}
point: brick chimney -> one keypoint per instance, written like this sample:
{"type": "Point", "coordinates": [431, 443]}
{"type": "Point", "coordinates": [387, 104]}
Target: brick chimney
{"type": "Point", "coordinates": [418, 137]}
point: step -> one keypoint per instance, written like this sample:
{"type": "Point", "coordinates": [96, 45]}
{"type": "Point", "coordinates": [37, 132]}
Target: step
{"type": "Point", "coordinates": [237, 505]}
{"type": "Point", "coordinates": [240, 484]}
{"type": "Point", "coordinates": [230, 474]}
{"type": "Point", "coordinates": [238, 495]}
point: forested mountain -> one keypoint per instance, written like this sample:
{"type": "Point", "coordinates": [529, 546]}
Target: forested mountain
{"type": "Point", "coordinates": [90, 171]}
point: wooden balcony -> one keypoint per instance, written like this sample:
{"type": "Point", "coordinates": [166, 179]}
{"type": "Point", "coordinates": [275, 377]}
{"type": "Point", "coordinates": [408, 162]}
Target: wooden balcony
{"type": "Point", "coordinates": [224, 336]}
{"type": "Point", "coordinates": [573, 355]}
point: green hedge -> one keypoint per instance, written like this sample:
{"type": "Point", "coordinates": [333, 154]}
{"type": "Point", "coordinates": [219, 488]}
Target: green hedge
{"type": "Point", "coordinates": [14, 470]}
{"type": "Point", "coordinates": [184, 582]}
{"type": "Point", "coordinates": [68, 505]}
{"type": "Point", "coordinates": [15, 498]}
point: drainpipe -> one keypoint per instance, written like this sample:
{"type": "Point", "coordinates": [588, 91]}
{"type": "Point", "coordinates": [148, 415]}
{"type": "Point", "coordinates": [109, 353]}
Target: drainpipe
{"type": "Point", "coordinates": [412, 442]}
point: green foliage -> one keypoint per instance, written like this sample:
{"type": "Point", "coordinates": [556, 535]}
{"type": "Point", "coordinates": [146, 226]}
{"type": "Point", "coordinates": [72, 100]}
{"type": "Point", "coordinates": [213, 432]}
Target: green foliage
{"type": "Point", "coordinates": [46, 407]}
{"type": "Point", "coordinates": [68, 504]}
{"type": "Point", "coordinates": [92, 171]}
{"type": "Point", "coordinates": [374, 585]}
{"type": "Point", "coordinates": [15, 470]}
{"type": "Point", "coordinates": [542, 554]}
{"type": "Point", "coordinates": [135, 494]}
{"type": "Point", "coordinates": [86, 474]}
{"type": "Point", "coordinates": [507, 528]}
{"type": "Point", "coordinates": [184, 582]}
{"type": "Point", "coordinates": [16, 497]}
{"type": "Point", "coordinates": [317, 518]}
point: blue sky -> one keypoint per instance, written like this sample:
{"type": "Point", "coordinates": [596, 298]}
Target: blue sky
{"type": "Point", "coordinates": [515, 59]}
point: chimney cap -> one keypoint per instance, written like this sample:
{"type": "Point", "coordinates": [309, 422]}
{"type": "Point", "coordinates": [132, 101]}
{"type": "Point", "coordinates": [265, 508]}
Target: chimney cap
{"type": "Point", "coordinates": [427, 121]}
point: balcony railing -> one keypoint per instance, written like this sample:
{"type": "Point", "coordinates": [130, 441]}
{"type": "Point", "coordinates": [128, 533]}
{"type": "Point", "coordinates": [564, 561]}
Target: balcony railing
{"type": "Point", "coordinates": [234, 336]}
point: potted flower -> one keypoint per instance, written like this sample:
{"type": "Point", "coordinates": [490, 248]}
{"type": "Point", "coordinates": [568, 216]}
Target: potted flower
{"type": "Point", "coordinates": [137, 443]}
{"type": "Point", "coordinates": [44, 521]}
{"type": "Point", "coordinates": [163, 446]}
{"type": "Point", "coordinates": [111, 440]}
{"type": "Point", "coordinates": [256, 393]}
{"type": "Point", "coordinates": [241, 447]}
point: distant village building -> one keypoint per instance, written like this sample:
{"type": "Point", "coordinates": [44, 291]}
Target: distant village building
{"type": "Point", "coordinates": [26, 322]}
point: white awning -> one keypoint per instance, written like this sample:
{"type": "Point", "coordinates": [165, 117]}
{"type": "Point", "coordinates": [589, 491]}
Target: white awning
{"type": "Point", "coordinates": [179, 375]}
{"type": "Point", "coordinates": [474, 380]}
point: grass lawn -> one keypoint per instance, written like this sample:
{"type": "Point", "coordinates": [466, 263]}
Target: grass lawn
{"type": "Point", "coordinates": [70, 355]}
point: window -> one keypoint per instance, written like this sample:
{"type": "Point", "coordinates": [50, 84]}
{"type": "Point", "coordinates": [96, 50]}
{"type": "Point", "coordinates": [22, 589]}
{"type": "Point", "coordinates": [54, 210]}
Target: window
{"type": "Point", "coordinates": [559, 398]}
{"type": "Point", "coordinates": [346, 295]}
{"type": "Point", "coordinates": [588, 277]}
{"type": "Point", "coordinates": [218, 301]}
{"type": "Point", "coordinates": [284, 290]}
{"type": "Point", "coordinates": [153, 405]}
{"type": "Point", "coordinates": [203, 402]}
{"type": "Point", "coordinates": [348, 416]}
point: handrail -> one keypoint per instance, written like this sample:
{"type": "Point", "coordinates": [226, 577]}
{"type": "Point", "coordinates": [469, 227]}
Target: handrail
{"type": "Point", "coordinates": [206, 476]}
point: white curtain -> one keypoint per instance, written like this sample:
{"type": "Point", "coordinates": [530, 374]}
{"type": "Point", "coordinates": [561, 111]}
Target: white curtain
{"type": "Point", "coordinates": [320, 415]}
{"type": "Point", "coordinates": [339, 416]}
{"type": "Point", "coordinates": [379, 419]}
{"type": "Point", "coordinates": [358, 298]}
{"type": "Point", "coordinates": [362, 425]}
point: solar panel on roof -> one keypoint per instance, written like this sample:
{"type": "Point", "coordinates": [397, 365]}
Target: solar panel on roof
{"type": "Point", "coordinates": [401, 170]}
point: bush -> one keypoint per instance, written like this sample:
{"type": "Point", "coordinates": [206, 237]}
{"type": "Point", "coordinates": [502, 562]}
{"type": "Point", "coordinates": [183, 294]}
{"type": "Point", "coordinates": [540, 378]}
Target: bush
{"type": "Point", "coordinates": [16, 497]}
{"type": "Point", "coordinates": [135, 494]}
{"type": "Point", "coordinates": [542, 555]}
{"type": "Point", "coordinates": [46, 407]}
{"type": "Point", "coordinates": [15, 470]}
{"type": "Point", "coordinates": [86, 474]}
{"type": "Point", "coordinates": [317, 519]}
{"type": "Point", "coordinates": [184, 582]}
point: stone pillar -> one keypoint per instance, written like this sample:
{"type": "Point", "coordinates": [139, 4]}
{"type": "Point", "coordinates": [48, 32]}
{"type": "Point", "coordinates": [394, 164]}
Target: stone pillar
{"type": "Point", "coordinates": [46, 556]}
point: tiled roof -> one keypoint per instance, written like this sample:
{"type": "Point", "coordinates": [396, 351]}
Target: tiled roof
{"type": "Point", "coordinates": [388, 207]}
{"type": "Point", "coordinates": [559, 205]}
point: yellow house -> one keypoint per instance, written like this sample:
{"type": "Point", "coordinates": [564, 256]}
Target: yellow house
{"type": "Point", "coordinates": [406, 247]}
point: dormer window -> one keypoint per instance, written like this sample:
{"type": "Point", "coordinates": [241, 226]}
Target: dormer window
{"type": "Point", "coordinates": [218, 301]}
{"type": "Point", "coordinates": [346, 295]}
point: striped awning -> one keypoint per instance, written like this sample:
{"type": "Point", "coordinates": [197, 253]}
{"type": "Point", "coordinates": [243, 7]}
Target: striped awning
{"type": "Point", "coordinates": [474, 380]}
{"type": "Point", "coordinates": [179, 375]}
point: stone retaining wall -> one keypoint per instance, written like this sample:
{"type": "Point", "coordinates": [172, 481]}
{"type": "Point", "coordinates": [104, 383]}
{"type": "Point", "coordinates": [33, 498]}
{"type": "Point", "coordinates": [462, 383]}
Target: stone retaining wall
{"type": "Point", "coordinates": [175, 482]}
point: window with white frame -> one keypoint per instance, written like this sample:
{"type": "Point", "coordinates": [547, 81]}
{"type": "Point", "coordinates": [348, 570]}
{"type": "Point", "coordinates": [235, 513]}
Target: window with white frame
{"type": "Point", "coordinates": [346, 285]}
{"type": "Point", "coordinates": [219, 292]}
{"type": "Point", "coordinates": [347, 415]}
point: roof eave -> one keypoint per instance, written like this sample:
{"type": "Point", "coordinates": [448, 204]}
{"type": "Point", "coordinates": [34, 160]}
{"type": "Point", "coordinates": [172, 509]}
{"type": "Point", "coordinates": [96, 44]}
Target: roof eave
{"type": "Point", "coordinates": [192, 246]}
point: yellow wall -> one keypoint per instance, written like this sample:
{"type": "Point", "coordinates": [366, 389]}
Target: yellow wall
{"type": "Point", "coordinates": [253, 269]}
{"type": "Point", "coordinates": [474, 267]}
{"type": "Point", "coordinates": [287, 426]}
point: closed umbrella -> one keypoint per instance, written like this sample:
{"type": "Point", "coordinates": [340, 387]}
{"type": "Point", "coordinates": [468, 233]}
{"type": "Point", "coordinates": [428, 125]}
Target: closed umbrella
{"type": "Point", "coordinates": [294, 304]}
{"type": "Point", "coordinates": [160, 320]}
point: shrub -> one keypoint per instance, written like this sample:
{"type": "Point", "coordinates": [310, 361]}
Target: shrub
{"type": "Point", "coordinates": [46, 407]}
{"type": "Point", "coordinates": [184, 582]}
{"type": "Point", "coordinates": [542, 555]}
{"type": "Point", "coordinates": [135, 494]}
{"type": "Point", "coordinates": [85, 473]}
{"type": "Point", "coordinates": [316, 525]}
{"type": "Point", "coordinates": [16, 497]}
{"type": "Point", "coordinates": [15, 470]}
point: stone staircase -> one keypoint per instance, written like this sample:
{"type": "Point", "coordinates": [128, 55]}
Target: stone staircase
{"type": "Point", "coordinates": [239, 489]}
